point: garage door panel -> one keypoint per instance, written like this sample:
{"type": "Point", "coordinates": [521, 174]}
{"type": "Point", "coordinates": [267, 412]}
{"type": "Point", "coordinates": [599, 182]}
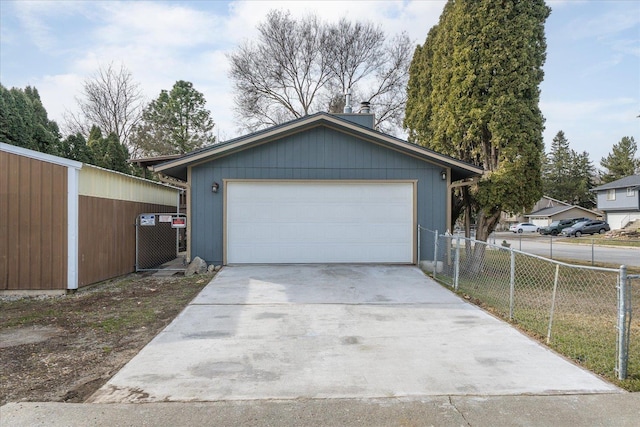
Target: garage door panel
{"type": "Point", "coordinates": [306, 222]}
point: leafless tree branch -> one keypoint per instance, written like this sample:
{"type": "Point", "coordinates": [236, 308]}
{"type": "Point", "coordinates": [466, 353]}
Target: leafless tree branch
{"type": "Point", "coordinates": [110, 100]}
{"type": "Point", "coordinates": [298, 67]}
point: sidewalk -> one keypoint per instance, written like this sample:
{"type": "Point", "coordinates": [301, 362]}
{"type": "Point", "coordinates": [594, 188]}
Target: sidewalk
{"type": "Point", "coordinates": [619, 409]}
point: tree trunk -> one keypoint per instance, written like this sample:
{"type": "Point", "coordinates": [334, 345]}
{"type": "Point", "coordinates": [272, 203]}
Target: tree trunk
{"type": "Point", "coordinates": [485, 225]}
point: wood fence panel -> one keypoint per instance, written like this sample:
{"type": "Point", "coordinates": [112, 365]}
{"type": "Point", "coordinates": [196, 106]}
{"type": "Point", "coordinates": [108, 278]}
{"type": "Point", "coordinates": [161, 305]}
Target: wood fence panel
{"type": "Point", "coordinates": [33, 196]}
{"type": "Point", "coordinates": [107, 242]}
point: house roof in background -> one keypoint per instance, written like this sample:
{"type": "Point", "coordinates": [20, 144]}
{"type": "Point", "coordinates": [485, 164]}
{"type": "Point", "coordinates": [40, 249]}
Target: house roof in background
{"type": "Point", "coordinates": [152, 161]}
{"type": "Point", "coordinates": [177, 168]}
{"type": "Point", "coordinates": [559, 209]}
{"type": "Point", "coordinates": [556, 201]}
{"type": "Point", "coordinates": [626, 182]}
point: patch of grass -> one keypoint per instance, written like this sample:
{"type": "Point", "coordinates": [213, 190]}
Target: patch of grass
{"type": "Point", "coordinates": [33, 318]}
{"type": "Point", "coordinates": [601, 240]}
{"type": "Point", "coordinates": [132, 319]}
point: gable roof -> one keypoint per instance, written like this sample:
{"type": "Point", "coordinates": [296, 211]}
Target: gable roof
{"type": "Point", "coordinates": [560, 202]}
{"type": "Point", "coordinates": [558, 209]}
{"type": "Point", "coordinates": [632, 181]}
{"type": "Point", "coordinates": [177, 168]}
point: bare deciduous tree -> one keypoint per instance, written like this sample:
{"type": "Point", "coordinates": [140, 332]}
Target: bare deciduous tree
{"type": "Point", "coordinates": [111, 100]}
{"type": "Point", "coordinates": [278, 77]}
{"type": "Point", "coordinates": [298, 67]}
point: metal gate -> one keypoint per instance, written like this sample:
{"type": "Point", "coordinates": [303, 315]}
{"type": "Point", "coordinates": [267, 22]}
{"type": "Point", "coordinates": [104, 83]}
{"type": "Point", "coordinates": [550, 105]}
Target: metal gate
{"type": "Point", "coordinates": [161, 241]}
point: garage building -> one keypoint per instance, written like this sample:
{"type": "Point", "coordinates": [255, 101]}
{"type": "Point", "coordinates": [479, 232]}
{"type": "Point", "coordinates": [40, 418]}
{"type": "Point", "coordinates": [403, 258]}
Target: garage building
{"type": "Point", "coordinates": [320, 189]}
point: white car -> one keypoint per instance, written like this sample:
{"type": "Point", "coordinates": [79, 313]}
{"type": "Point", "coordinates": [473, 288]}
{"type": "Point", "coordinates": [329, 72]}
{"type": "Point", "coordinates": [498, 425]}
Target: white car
{"type": "Point", "coordinates": [524, 227]}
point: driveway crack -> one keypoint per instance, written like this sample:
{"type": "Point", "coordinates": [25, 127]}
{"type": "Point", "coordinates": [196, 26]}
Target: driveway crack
{"type": "Point", "coordinates": [458, 411]}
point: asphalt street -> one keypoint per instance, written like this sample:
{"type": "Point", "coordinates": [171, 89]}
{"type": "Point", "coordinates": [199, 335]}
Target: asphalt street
{"type": "Point", "coordinates": [555, 248]}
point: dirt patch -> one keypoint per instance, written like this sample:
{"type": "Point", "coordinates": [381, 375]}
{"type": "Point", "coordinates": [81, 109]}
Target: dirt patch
{"type": "Point", "coordinates": [64, 348]}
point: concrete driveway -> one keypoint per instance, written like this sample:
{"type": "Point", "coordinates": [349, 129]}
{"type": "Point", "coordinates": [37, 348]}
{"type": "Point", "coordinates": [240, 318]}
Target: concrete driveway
{"type": "Point", "coordinates": [338, 331]}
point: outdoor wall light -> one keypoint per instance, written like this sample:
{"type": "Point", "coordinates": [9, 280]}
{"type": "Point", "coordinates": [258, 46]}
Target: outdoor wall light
{"type": "Point", "coordinates": [214, 187]}
{"type": "Point", "coordinates": [443, 175]}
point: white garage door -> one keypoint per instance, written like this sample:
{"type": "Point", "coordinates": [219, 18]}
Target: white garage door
{"type": "Point", "coordinates": [616, 220]}
{"type": "Point", "coordinates": [319, 221]}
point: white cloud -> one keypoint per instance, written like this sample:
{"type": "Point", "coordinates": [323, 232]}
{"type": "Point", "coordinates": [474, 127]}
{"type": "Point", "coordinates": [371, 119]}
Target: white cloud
{"type": "Point", "coordinates": [607, 24]}
{"type": "Point", "coordinates": [161, 26]}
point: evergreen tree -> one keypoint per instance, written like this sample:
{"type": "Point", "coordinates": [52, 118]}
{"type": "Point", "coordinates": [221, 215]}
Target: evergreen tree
{"type": "Point", "coordinates": [109, 152]}
{"type": "Point", "coordinates": [15, 118]}
{"type": "Point", "coordinates": [95, 136]}
{"type": "Point", "coordinates": [584, 173]}
{"type": "Point", "coordinates": [174, 123]}
{"type": "Point", "coordinates": [621, 161]}
{"type": "Point", "coordinates": [558, 178]}
{"type": "Point", "coordinates": [24, 121]}
{"type": "Point", "coordinates": [474, 93]}
{"type": "Point", "coordinates": [75, 147]}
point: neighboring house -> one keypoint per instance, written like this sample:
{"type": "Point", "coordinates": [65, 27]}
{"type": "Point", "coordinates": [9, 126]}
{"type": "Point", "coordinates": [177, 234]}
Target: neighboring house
{"type": "Point", "coordinates": [545, 211]}
{"type": "Point", "coordinates": [320, 189]}
{"type": "Point", "coordinates": [620, 200]}
{"type": "Point", "coordinates": [544, 217]}
{"type": "Point", "coordinates": [66, 224]}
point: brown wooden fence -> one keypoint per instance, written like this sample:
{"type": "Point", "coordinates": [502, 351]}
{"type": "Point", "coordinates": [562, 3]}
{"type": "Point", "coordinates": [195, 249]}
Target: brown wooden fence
{"type": "Point", "coordinates": [33, 224]}
{"type": "Point", "coordinates": [107, 244]}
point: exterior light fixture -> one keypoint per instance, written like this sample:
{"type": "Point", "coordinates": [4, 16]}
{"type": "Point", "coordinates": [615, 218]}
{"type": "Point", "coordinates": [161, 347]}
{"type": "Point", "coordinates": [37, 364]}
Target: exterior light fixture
{"type": "Point", "coordinates": [214, 187]}
{"type": "Point", "coordinates": [443, 175]}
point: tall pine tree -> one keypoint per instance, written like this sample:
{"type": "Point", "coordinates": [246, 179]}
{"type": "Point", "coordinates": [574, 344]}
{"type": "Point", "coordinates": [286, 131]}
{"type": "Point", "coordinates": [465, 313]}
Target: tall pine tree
{"type": "Point", "coordinates": [174, 123]}
{"type": "Point", "coordinates": [567, 175]}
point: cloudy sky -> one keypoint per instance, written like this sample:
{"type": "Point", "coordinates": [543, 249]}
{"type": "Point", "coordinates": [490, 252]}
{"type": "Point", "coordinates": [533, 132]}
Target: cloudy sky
{"type": "Point", "coordinates": [592, 74]}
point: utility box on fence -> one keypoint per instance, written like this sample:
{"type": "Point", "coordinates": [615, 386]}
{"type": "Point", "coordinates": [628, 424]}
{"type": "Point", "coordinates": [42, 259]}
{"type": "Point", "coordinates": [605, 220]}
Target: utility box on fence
{"type": "Point", "coordinates": [158, 237]}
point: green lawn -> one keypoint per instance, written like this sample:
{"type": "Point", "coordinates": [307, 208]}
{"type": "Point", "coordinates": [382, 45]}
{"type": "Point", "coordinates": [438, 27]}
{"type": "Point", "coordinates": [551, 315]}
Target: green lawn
{"type": "Point", "coordinates": [601, 240]}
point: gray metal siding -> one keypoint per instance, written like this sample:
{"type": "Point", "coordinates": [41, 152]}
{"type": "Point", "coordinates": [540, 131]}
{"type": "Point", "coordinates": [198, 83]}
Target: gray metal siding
{"type": "Point", "coordinates": [319, 153]}
{"type": "Point", "coordinates": [621, 203]}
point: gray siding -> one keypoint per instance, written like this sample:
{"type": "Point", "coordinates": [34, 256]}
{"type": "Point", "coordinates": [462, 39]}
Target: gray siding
{"type": "Point", "coordinates": [319, 153]}
{"type": "Point", "coordinates": [621, 203]}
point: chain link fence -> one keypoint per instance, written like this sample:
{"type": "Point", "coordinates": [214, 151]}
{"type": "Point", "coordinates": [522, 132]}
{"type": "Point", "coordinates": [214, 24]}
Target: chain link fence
{"type": "Point", "coordinates": [160, 241]}
{"type": "Point", "coordinates": [580, 311]}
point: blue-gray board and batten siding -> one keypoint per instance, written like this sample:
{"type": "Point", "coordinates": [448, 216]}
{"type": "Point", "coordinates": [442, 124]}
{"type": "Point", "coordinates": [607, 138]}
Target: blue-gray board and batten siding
{"type": "Point", "coordinates": [319, 153]}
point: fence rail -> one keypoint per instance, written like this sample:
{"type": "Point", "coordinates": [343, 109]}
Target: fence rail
{"type": "Point", "coordinates": [583, 312]}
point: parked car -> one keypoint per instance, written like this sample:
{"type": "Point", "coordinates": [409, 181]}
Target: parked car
{"type": "Point", "coordinates": [586, 227]}
{"type": "Point", "coordinates": [524, 227]}
{"type": "Point", "coordinates": [557, 226]}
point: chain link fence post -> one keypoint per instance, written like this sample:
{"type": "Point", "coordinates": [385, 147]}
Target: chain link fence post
{"type": "Point", "coordinates": [512, 283]}
{"type": "Point", "coordinates": [553, 302]}
{"type": "Point", "coordinates": [456, 265]}
{"type": "Point", "coordinates": [624, 324]}
{"type": "Point", "coordinates": [418, 244]}
{"type": "Point", "coordinates": [435, 254]}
